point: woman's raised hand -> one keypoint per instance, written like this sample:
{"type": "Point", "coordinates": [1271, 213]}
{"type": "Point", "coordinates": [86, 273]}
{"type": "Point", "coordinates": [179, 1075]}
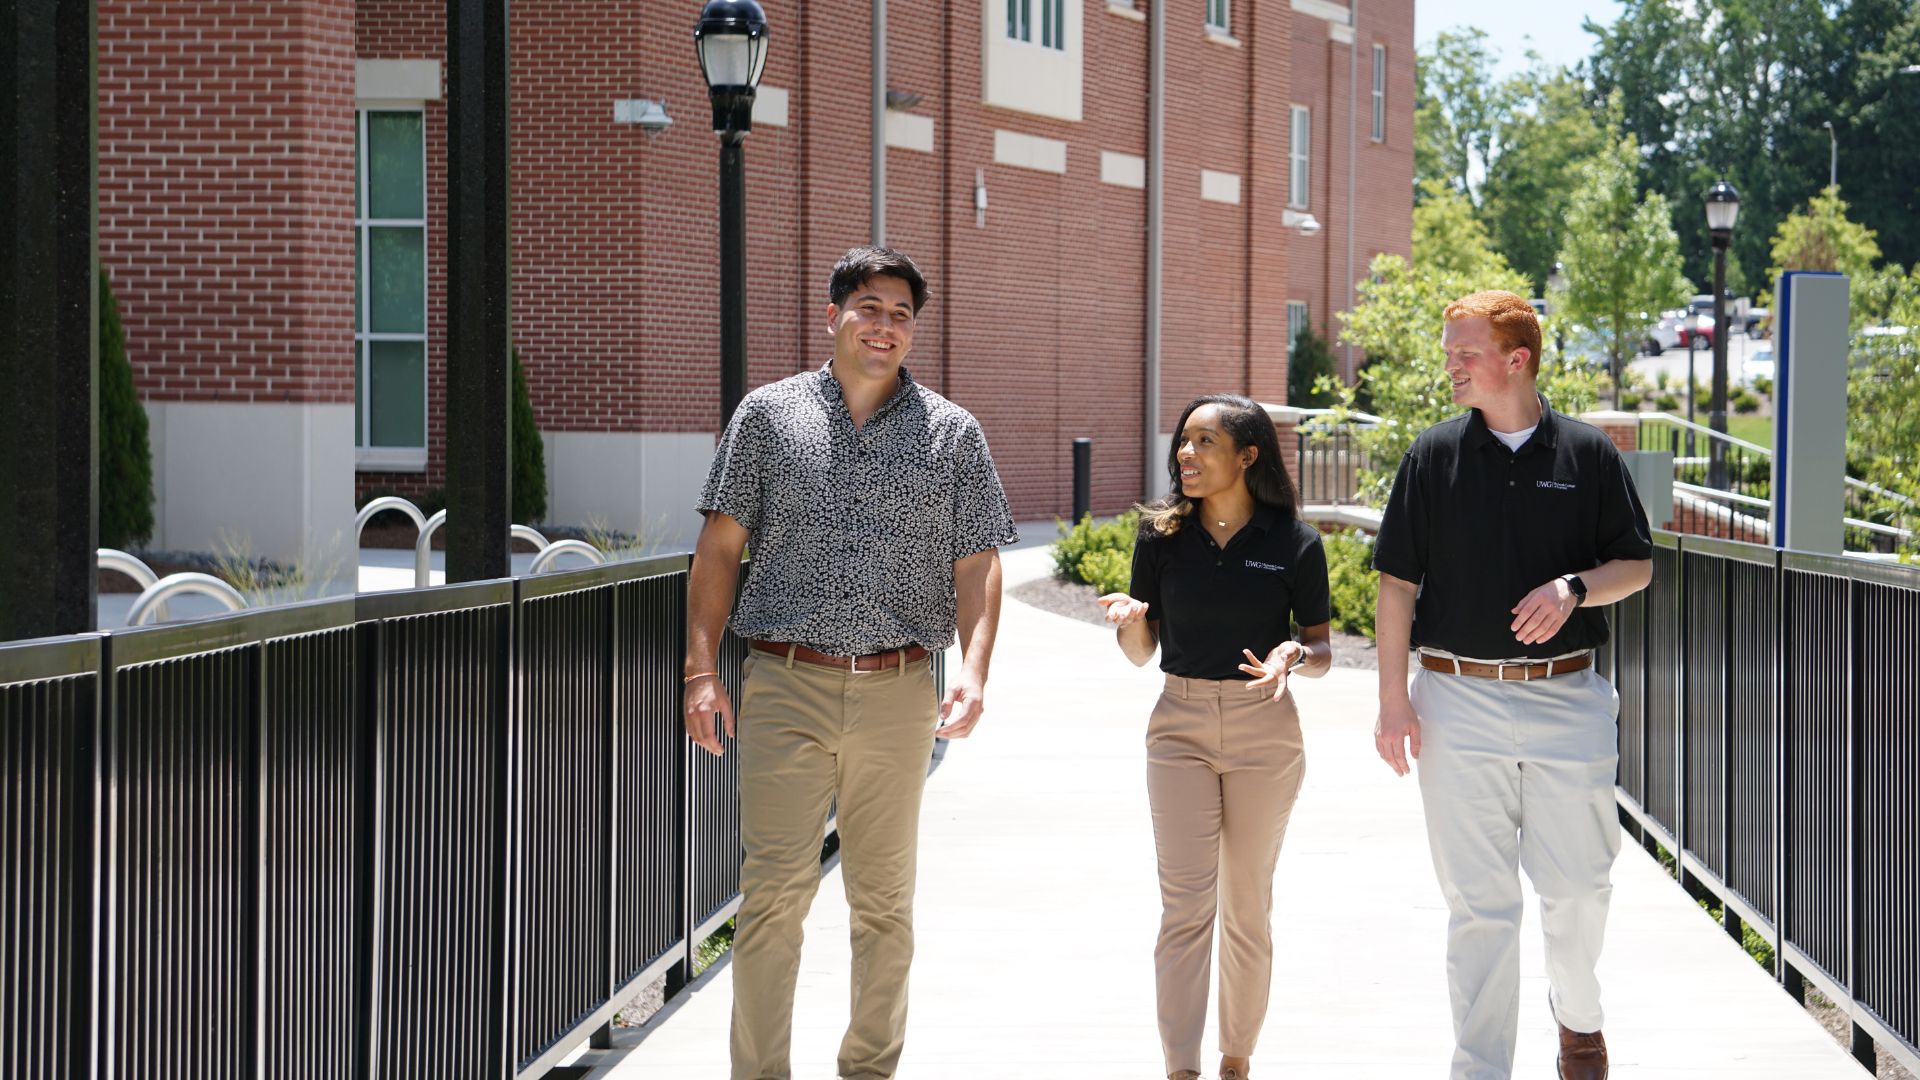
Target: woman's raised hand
{"type": "Point", "coordinates": [1122, 610]}
{"type": "Point", "coordinates": [1273, 670]}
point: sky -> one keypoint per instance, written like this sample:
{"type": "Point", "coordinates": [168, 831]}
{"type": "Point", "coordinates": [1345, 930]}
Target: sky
{"type": "Point", "coordinates": [1552, 29]}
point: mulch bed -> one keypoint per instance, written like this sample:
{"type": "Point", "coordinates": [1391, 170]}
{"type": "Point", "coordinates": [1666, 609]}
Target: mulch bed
{"type": "Point", "coordinates": [1075, 601]}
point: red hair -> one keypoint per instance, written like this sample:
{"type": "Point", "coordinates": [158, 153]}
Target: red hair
{"type": "Point", "coordinates": [1515, 324]}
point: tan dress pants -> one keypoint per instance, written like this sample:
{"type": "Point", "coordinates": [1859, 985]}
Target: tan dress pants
{"type": "Point", "coordinates": [807, 735]}
{"type": "Point", "coordinates": [1224, 765]}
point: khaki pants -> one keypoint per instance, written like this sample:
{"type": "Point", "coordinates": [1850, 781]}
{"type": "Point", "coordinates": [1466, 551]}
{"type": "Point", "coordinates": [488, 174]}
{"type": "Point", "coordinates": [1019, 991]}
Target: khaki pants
{"type": "Point", "coordinates": [1224, 765]}
{"type": "Point", "coordinates": [807, 735]}
{"type": "Point", "coordinates": [1518, 776]}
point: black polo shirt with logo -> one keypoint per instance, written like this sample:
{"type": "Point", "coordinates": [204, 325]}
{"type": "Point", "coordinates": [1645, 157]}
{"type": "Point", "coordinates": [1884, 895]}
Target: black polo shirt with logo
{"type": "Point", "coordinates": [1211, 602]}
{"type": "Point", "coordinates": [1478, 527]}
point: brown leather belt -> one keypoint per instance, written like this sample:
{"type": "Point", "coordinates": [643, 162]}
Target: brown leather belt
{"type": "Point", "coordinates": [1539, 669]}
{"type": "Point", "coordinates": [879, 661]}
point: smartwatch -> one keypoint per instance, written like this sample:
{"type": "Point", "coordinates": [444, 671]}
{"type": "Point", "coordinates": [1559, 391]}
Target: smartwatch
{"type": "Point", "coordinates": [1579, 588]}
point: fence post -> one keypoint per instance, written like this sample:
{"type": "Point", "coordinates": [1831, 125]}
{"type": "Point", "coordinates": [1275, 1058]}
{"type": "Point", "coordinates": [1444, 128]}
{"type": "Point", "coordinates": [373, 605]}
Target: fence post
{"type": "Point", "coordinates": [1082, 479]}
{"type": "Point", "coordinates": [602, 1037]}
{"type": "Point", "coordinates": [1862, 1043]}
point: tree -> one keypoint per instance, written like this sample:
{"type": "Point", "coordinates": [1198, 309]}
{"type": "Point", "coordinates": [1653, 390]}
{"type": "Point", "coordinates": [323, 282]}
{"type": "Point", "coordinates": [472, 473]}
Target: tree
{"type": "Point", "coordinates": [1822, 237]}
{"type": "Point", "coordinates": [1883, 413]}
{"type": "Point", "coordinates": [126, 460]}
{"type": "Point", "coordinates": [1459, 109]}
{"type": "Point", "coordinates": [1524, 199]}
{"type": "Point", "coordinates": [1621, 258]}
{"type": "Point", "coordinates": [1308, 363]}
{"type": "Point", "coordinates": [1398, 321]}
{"type": "Point", "coordinates": [529, 453]}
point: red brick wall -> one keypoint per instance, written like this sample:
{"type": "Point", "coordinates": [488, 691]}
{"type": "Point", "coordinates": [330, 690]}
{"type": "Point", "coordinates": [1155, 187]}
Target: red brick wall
{"type": "Point", "coordinates": [1037, 320]}
{"type": "Point", "coordinates": [226, 196]}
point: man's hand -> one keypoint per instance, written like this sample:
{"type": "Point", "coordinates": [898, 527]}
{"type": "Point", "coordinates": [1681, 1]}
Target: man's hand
{"type": "Point", "coordinates": [1396, 735]}
{"type": "Point", "coordinates": [1541, 613]}
{"type": "Point", "coordinates": [960, 710]}
{"type": "Point", "coordinates": [1273, 670]}
{"type": "Point", "coordinates": [1122, 610]}
{"type": "Point", "coordinates": [704, 699]}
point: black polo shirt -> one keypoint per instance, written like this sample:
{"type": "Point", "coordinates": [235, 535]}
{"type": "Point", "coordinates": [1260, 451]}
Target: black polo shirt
{"type": "Point", "coordinates": [1211, 602]}
{"type": "Point", "coordinates": [1478, 527]}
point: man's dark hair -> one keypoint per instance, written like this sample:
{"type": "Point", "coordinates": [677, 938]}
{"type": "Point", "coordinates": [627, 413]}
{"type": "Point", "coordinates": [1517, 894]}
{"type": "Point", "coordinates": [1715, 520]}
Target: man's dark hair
{"type": "Point", "coordinates": [862, 264]}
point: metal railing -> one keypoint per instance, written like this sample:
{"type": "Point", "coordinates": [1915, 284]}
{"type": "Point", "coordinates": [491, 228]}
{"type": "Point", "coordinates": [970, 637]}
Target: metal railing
{"type": "Point", "coordinates": [1331, 459]}
{"type": "Point", "coordinates": [442, 832]}
{"type": "Point", "coordinates": [1767, 740]}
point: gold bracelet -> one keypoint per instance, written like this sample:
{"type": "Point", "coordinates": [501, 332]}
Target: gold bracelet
{"type": "Point", "coordinates": [685, 679]}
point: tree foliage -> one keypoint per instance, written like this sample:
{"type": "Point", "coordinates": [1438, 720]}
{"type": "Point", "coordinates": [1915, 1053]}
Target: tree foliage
{"type": "Point", "coordinates": [1822, 237]}
{"type": "Point", "coordinates": [1548, 141]}
{"type": "Point", "coordinates": [1458, 110]}
{"type": "Point", "coordinates": [126, 459]}
{"type": "Point", "coordinates": [1309, 370]}
{"type": "Point", "coordinates": [1621, 258]}
{"type": "Point", "coordinates": [1398, 321]}
{"type": "Point", "coordinates": [529, 453]}
{"type": "Point", "coordinates": [1883, 411]}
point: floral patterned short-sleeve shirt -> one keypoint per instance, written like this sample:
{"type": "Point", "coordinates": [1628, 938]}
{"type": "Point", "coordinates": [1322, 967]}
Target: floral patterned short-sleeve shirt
{"type": "Point", "coordinates": [853, 532]}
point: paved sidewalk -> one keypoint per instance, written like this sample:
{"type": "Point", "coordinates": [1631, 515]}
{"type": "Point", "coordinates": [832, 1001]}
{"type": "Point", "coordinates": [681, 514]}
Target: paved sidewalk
{"type": "Point", "coordinates": [1038, 907]}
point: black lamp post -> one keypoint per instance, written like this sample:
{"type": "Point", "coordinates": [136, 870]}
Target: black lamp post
{"type": "Point", "coordinates": [1723, 209]}
{"type": "Point", "coordinates": [1556, 288]}
{"type": "Point", "coordinates": [732, 41]}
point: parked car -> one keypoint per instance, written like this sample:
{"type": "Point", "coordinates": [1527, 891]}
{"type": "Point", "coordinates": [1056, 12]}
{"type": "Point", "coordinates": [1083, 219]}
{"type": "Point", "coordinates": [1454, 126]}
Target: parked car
{"type": "Point", "coordinates": [1669, 333]}
{"type": "Point", "coordinates": [1758, 318]}
{"type": "Point", "coordinates": [1759, 365]}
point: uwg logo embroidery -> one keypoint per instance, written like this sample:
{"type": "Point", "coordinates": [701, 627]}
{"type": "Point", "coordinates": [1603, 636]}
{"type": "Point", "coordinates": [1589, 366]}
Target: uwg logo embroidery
{"type": "Point", "coordinates": [1251, 565]}
{"type": "Point", "coordinates": [1554, 484]}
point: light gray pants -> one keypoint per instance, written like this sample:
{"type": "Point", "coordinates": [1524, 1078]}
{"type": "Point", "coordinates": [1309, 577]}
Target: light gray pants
{"type": "Point", "coordinates": [1518, 774]}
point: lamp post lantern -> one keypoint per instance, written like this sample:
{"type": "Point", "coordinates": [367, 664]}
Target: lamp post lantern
{"type": "Point", "coordinates": [1833, 155]}
{"type": "Point", "coordinates": [732, 41]}
{"type": "Point", "coordinates": [1723, 209]}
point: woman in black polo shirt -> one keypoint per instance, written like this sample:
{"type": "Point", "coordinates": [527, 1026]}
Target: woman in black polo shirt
{"type": "Point", "coordinates": [1222, 572]}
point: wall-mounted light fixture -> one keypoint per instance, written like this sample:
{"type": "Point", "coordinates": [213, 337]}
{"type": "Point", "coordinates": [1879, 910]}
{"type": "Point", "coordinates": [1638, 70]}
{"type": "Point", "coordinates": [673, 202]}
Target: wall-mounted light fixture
{"type": "Point", "coordinates": [650, 115]}
{"type": "Point", "coordinates": [1303, 223]}
{"type": "Point", "coordinates": [902, 99]}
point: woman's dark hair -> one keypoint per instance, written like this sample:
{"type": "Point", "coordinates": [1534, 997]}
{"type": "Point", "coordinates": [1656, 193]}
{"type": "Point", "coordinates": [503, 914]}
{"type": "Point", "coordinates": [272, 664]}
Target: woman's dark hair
{"type": "Point", "coordinates": [1247, 424]}
{"type": "Point", "coordinates": [863, 264]}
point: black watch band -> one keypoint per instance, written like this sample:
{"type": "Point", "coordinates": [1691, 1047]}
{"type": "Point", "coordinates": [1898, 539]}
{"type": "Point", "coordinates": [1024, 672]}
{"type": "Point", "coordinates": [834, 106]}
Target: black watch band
{"type": "Point", "coordinates": [1579, 588]}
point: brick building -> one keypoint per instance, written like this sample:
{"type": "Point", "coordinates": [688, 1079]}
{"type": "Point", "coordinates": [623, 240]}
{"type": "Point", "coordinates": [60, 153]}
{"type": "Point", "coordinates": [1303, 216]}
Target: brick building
{"type": "Point", "coordinates": [273, 198]}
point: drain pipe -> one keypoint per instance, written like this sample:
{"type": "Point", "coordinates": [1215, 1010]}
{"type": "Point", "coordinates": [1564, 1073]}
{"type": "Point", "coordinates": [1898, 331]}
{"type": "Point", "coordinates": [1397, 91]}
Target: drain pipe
{"type": "Point", "coordinates": [1152, 473]}
{"type": "Point", "coordinates": [879, 146]}
{"type": "Point", "coordinates": [1353, 102]}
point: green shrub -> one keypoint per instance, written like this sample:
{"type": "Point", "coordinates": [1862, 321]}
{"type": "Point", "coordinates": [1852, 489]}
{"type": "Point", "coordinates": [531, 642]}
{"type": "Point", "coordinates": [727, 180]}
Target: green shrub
{"type": "Point", "coordinates": [529, 455]}
{"type": "Point", "coordinates": [1310, 361]}
{"type": "Point", "coordinates": [126, 461]}
{"type": "Point", "coordinates": [1107, 570]}
{"type": "Point", "coordinates": [1666, 402]}
{"type": "Point", "coordinates": [1629, 400]}
{"type": "Point", "coordinates": [1744, 402]}
{"type": "Point", "coordinates": [1352, 581]}
{"type": "Point", "coordinates": [1087, 537]}
{"type": "Point", "coordinates": [1763, 386]}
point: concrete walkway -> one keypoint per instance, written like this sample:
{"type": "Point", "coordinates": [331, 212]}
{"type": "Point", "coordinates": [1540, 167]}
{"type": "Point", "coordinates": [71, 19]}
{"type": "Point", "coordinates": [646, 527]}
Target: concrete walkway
{"type": "Point", "coordinates": [1038, 907]}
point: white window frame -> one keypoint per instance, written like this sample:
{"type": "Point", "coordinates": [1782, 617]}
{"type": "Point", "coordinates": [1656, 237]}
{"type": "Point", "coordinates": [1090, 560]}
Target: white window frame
{"type": "Point", "coordinates": [1053, 22]}
{"type": "Point", "coordinates": [1299, 157]}
{"type": "Point", "coordinates": [1379, 93]}
{"type": "Point", "coordinates": [1220, 17]}
{"type": "Point", "coordinates": [1297, 319]}
{"type": "Point", "coordinates": [367, 457]}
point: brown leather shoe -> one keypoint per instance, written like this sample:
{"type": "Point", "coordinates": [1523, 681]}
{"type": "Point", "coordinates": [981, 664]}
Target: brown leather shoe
{"type": "Point", "coordinates": [1232, 1073]}
{"type": "Point", "coordinates": [1183, 1074]}
{"type": "Point", "coordinates": [1583, 1055]}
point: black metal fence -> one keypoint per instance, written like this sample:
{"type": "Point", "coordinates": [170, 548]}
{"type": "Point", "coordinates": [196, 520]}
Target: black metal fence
{"type": "Point", "coordinates": [1331, 459]}
{"type": "Point", "coordinates": [1768, 739]}
{"type": "Point", "coordinates": [441, 833]}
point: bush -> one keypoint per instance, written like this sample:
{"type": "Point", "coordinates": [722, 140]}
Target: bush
{"type": "Point", "coordinates": [1630, 401]}
{"type": "Point", "coordinates": [1666, 402]}
{"type": "Point", "coordinates": [529, 454]}
{"type": "Point", "coordinates": [1763, 386]}
{"type": "Point", "coordinates": [126, 461]}
{"type": "Point", "coordinates": [1744, 402]}
{"type": "Point", "coordinates": [1099, 544]}
{"type": "Point", "coordinates": [1353, 583]}
{"type": "Point", "coordinates": [1310, 361]}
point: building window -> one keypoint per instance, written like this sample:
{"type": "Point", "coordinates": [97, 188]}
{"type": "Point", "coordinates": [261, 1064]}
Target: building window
{"type": "Point", "coordinates": [1296, 321]}
{"type": "Point", "coordinates": [1053, 21]}
{"type": "Point", "coordinates": [390, 294]}
{"type": "Point", "coordinates": [1379, 92]}
{"type": "Point", "coordinates": [1217, 17]}
{"type": "Point", "coordinates": [1297, 154]}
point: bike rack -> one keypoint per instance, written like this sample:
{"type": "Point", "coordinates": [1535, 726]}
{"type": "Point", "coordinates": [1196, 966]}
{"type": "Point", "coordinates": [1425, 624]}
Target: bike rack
{"type": "Point", "coordinates": [174, 585]}
{"type": "Point", "coordinates": [133, 567]}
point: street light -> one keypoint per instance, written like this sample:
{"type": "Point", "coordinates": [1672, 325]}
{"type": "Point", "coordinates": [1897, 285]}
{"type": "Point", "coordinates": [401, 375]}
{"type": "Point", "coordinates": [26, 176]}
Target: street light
{"type": "Point", "coordinates": [1833, 155]}
{"type": "Point", "coordinates": [732, 42]}
{"type": "Point", "coordinates": [1557, 286]}
{"type": "Point", "coordinates": [1723, 209]}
